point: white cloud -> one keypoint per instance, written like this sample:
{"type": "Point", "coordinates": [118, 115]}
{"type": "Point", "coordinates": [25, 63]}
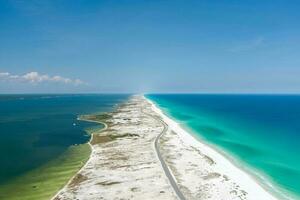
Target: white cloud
{"type": "Point", "coordinates": [4, 74]}
{"type": "Point", "coordinates": [35, 77]}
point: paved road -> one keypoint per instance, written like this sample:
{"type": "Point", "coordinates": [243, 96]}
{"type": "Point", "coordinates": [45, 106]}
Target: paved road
{"type": "Point", "coordinates": [163, 163]}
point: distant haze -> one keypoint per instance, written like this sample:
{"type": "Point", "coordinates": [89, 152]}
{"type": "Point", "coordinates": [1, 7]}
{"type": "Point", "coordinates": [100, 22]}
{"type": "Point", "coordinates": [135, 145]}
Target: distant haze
{"type": "Point", "coordinates": [202, 46]}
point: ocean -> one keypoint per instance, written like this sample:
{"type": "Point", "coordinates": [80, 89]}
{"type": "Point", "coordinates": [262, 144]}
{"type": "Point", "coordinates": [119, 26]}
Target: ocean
{"type": "Point", "coordinates": [260, 133]}
{"type": "Point", "coordinates": [42, 143]}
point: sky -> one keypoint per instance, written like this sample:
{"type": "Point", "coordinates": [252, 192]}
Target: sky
{"type": "Point", "coordinates": [136, 46]}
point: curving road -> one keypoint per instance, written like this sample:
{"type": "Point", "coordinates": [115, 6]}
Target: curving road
{"type": "Point", "coordinates": [163, 163]}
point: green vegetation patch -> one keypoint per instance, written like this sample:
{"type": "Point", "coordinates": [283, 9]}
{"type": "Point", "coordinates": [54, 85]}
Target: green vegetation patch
{"type": "Point", "coordinates": [100, 117]}
{"type": "Point", "coordinates": [113, 137]}
{"type": "Point", "coordinates": [98, 139]}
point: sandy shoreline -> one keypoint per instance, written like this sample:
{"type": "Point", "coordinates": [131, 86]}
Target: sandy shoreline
{"type": "Point", "coordinates": [91, 146]}
{"type": "Point", "coordinates": [124, 163]}
{"type": "Point", "coordinates": [222, 165]}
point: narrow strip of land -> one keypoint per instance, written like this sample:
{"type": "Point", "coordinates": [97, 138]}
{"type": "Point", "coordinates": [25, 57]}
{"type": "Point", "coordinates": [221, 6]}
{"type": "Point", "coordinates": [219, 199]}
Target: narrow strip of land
{"type": "Point", "coordinates": [123, 163]}
{"type": "Point", "coordinates": [142, 154]}
{"type": "Point", "coordinates": [163, 163]}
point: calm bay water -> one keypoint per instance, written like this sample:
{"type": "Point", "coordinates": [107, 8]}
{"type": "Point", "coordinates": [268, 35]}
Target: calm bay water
{"type": "Point", "coordinates": [35, 129]}
{"type": "Point", "coordinates": [262, 132]}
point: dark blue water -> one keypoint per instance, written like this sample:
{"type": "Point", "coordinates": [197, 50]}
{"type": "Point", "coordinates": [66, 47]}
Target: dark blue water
{"type": "Point", "coordinates": [35, 129]}
{"type": "Point", "coordinates": [260, 131]}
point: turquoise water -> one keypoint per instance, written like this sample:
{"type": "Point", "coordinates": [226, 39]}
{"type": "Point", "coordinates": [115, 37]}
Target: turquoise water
{"type": "Point", "coordinates": [261, 132]}
{"type": "Point", "coordinates": [35, 129]}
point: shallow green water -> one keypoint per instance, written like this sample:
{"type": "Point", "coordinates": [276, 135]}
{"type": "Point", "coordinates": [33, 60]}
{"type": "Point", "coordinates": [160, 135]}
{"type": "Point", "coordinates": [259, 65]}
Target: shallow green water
{"type": "Point", "coordinates": [42, 144]}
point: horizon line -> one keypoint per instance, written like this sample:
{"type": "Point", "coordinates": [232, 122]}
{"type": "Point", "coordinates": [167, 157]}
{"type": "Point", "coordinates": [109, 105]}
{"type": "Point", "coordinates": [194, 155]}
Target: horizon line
{"type": "Point", "coordinates": [149, 93]}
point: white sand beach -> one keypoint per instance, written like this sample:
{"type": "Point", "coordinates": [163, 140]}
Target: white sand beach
{"type": "Point", "coordinates": [143, 154]}
{"type": "Point", "coordinates": [201, 171]}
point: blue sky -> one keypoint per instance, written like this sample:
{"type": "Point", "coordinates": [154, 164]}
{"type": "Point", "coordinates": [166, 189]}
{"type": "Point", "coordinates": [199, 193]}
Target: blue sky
{"type": "Point", "coordinates": [206, 46]}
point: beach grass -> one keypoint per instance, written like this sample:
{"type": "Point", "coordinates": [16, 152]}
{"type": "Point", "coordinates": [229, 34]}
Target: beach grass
{"type": "Point", "coordinates": [45, 181]}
